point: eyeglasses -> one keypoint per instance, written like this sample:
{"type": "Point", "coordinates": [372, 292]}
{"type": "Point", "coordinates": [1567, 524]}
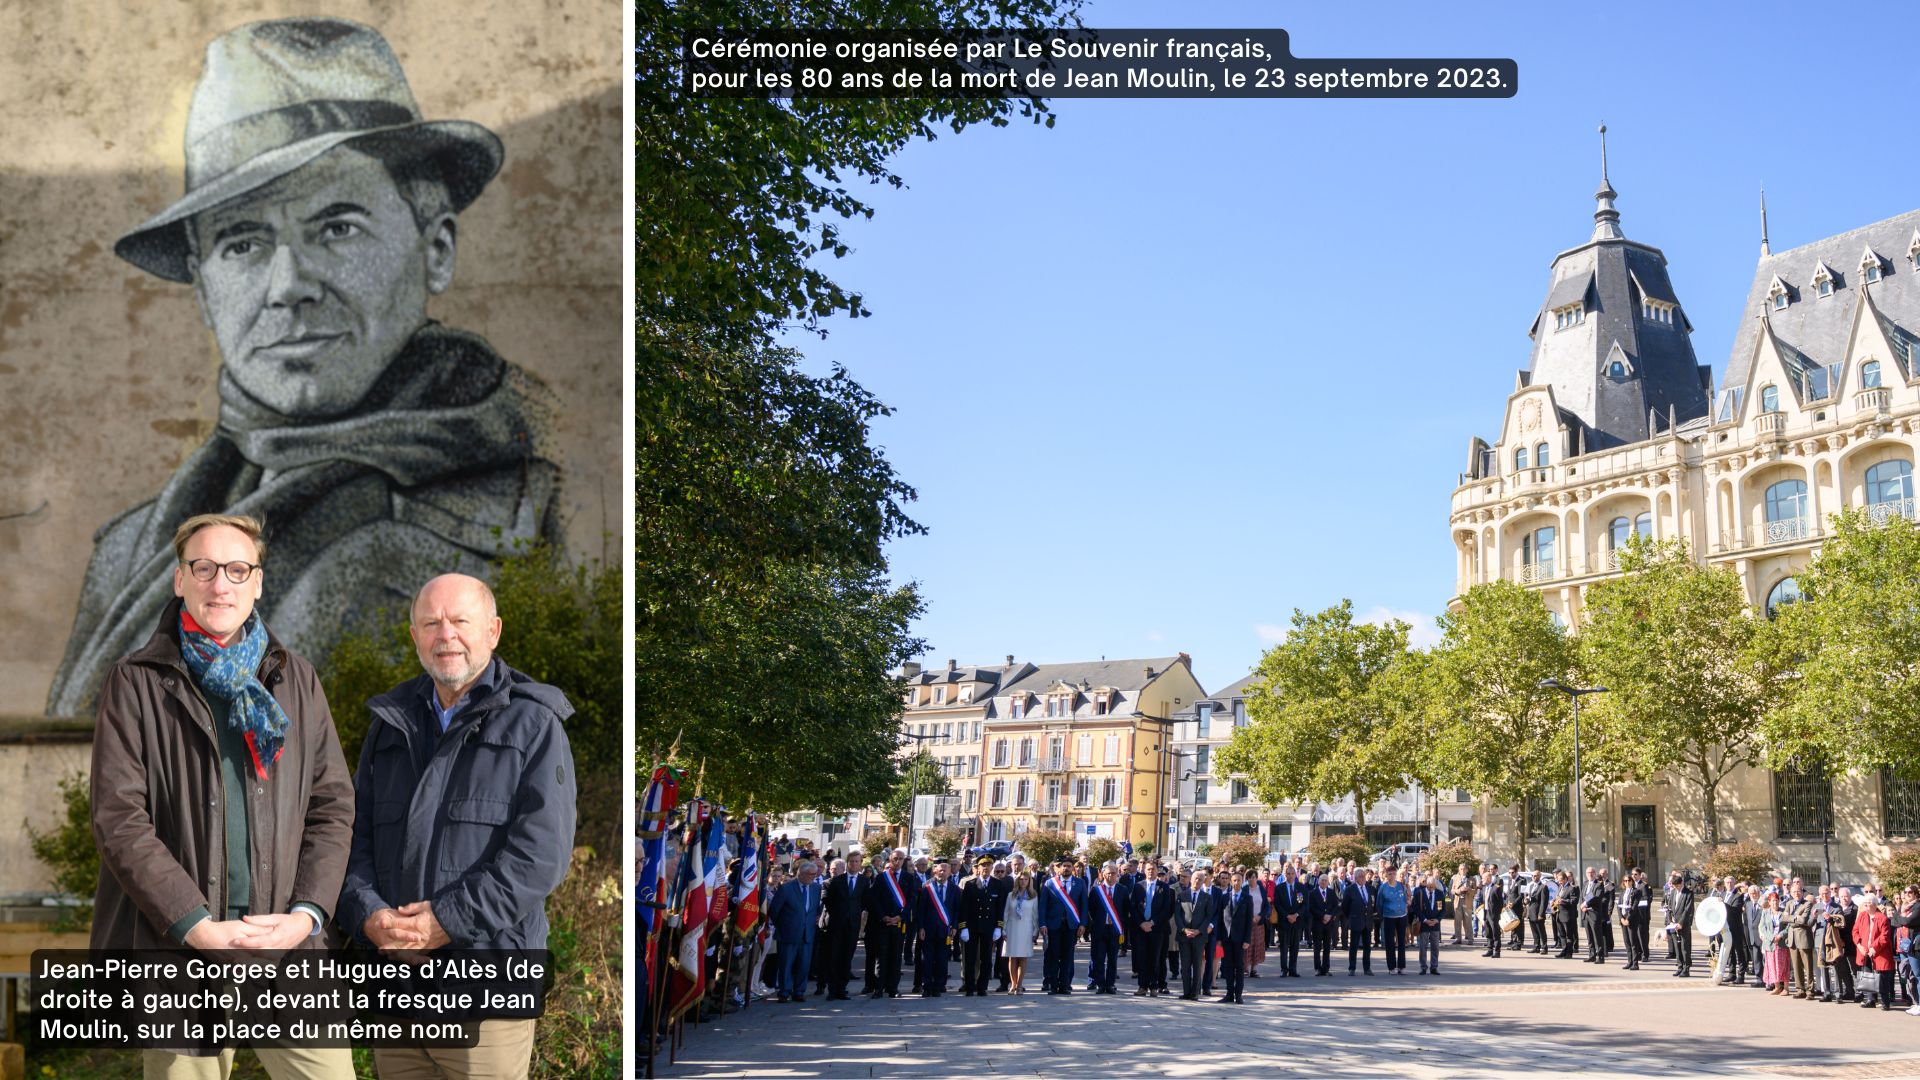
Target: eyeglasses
{"type": "Point", "coordinates": [237, 572]}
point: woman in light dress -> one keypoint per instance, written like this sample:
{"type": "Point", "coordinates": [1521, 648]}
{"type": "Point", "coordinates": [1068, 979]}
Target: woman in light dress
{"type": "Point", "coordinates": [1021, 920]}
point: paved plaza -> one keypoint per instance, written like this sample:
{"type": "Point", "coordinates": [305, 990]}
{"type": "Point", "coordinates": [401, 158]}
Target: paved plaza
{"type": "Point", "coordinates": [1516, 1015]}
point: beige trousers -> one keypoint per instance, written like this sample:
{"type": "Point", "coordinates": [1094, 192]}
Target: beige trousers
{"type": "Point", "coordinates": [504, 1052]}
{"type": "Point", "coordinates": [291, 1064]}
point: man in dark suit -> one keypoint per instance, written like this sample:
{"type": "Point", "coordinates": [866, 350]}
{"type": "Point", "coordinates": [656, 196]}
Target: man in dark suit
{"type": "Point", "coordinates": [1596, 904]}
{"type": "Point", "coordinates": [1106, 928]}
{"type": "Point", "coordinates": [1063, 912]}
{"type": "Point", "coordinates": [1323, 907]}
{"type": "Point", "coordinates": [1216, 885]}
{"type": "Point", "coordinates": [1237, 928]}
{"type": "Point", "coordinates": [1736, 901]}
{"type": "Point", "coordinates": [1425, 910]}
{"type": "Point", "coordinates": [1357, 904]}
{"type": "Point", "coordinates": [1192, 925]}
{"type": "Point", "coordinates": [889, 906]}
{"type": "Point", "coordinates": [1680, 925]}
{"type": "Point", "coordinates": [1290, 915]}
{"type": "Point", "coordinates": [935, 926]}
{"type": "Point", "coordinates": [1493, 901]}
{"type": "Point", "coordinates": [1149, 920]}
{"type": "Point", "coordinates": [978, 919]}
{"type": "Point", "coordinates": [1565, 911]}
{"type": "Point", "coordinates": [795, 913]}
{"type": "Point", "coordinates": [1537, 912]}
{"type": "Point", "coordinates": [845, 902]}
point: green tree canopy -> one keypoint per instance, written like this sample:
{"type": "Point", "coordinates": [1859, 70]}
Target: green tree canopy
{"type": "Point", "coordinates": [1492, 729]}
{"type": "Point", "coordinates": [920, 776]}
{"type": "Point", "coordinates": [1318, 729]}
{"type": "Point", "coordinates": [1854, 640]}
{"type": "Point", "coordinates": [1688, 673]}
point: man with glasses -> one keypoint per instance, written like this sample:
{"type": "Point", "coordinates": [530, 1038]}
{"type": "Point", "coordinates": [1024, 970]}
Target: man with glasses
{"type": "Point", "coordinates": [221, 803]}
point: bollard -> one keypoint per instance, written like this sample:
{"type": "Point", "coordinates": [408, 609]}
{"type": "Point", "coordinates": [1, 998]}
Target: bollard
{"type": "Point", "coordinates": [13, 1061]}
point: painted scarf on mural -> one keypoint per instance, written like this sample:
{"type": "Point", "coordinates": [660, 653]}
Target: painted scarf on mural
{"type": "Point", "coordinates": [230, 674]}
{"type": "Point", "coordinates": [447, 407]}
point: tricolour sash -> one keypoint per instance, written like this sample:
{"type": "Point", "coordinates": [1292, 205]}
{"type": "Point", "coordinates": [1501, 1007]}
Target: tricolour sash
{"type": "Point", "coordinates": [1107, 899]}
{"type": "Point", "coordinates": [1061, 890]}
{"type": "Point", "coordinates": [899, 898]}
{"type": "Point", "coordinates": [933, 894]}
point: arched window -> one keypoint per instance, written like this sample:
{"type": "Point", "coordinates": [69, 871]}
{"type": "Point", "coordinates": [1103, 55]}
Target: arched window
{"type": "Point", "coordinates": [1643, 525]}
{"type": "Point", "coordinates": [1889, 491]}
{"type": "Point", "coordinates": [1769, 398]}
{"type": "Point", "coordinates": [1540, 456]}
{"type": "Point", "coordinates": [1782, 594]}
{"type": "Point", "coordinates": [1536, 554]}
{"type": "Point", "coordinates": [1617, 532]}
{"type": "Point", "coordinates": [1786, 511]}
{"type": "Point", "coordinates": [1519, 458]}
{"type": "Point", "coordinates": [1869, 374]}
{"type": "Point", "coordinates": [1616, 370]}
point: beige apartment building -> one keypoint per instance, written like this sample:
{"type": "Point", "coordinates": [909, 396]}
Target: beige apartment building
{"type": "Point", "coordinates": [1084, 747]}
{"type": "Point", "coordinates": [1614, 429]}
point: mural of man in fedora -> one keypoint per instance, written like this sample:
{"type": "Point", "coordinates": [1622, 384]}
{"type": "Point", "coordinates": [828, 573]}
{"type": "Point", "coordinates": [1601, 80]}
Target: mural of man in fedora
{"type": "Point", "coordinates": [379, 447]}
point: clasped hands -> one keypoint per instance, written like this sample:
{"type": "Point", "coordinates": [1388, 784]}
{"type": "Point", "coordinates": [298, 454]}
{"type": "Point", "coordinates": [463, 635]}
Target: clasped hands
{"type": "Point", "coordinates": [410, 928]}
{"type": "Point", "coordinates": [272, 933]}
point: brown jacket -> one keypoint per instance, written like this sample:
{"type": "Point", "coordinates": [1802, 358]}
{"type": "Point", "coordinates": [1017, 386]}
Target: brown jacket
{"type": "Point", "coordinates": [157, 813]}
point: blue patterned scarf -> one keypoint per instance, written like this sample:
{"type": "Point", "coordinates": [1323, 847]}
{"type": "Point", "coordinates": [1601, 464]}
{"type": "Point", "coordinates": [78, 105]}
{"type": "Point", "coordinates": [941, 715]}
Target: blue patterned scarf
{"type": "Point", "coordinates": [229, 674]}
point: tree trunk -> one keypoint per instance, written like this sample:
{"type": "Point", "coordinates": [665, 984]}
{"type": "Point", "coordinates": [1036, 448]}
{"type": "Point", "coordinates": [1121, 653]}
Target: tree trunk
{"type": "Point", "coordinates": [1526, 829]}
{"type": "Point", "coordinates": [1709, 790]}
{"type": "Point", "coordinates": [1360, 814]}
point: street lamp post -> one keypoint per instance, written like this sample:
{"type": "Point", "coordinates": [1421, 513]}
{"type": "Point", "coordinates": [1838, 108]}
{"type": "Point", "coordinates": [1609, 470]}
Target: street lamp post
{"type": "Point", "coordinates": [1579, 845]}
{"type": "Point", "coordinates": [1173, 822]}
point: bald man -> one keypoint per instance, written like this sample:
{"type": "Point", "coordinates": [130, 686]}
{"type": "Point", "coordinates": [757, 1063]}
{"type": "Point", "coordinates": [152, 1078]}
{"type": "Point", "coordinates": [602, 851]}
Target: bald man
{"type": "Point", "coordinates": [465, 800]}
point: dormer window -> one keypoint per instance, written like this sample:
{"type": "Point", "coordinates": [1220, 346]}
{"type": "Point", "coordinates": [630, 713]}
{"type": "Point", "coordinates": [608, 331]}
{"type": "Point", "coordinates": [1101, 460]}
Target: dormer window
{"type": "Point", "coordinates": [1616, 370]}
{"type": "Point", "coordinates": [1571, 315]}
{"type": "Point", "coordinates": [1780, 295]}
{"type": "Point", "coordinates": [1869, 374]}
{"type": "Point", "coordinates": [939, 695]}
{"type": "Point", "coordinates": [1017, 707]}
{"type": "Point", "coordinates": [1656, 311]}
{"type": "Point", "coordinates": [1519, 458]}
{"type": "Point", "coordinates": [966, 693]}
{"type": "Point", "coordinates": [1913, 250]}
{"type": "Point", "coordinates": [1769, 398]}
{"type": "Point", "coordinates": [1823, 281]}
{"type": "Point", "coordinates": [1871, 264]}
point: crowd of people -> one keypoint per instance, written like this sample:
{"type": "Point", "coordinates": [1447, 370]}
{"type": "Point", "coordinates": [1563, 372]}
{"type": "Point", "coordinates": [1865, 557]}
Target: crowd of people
{"type": "Point", "coordinates": [1202, 933]}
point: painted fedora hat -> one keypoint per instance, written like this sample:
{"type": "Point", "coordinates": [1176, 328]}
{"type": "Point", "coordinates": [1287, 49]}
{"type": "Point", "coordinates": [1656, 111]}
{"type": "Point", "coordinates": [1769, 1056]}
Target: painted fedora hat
{"type": "Point", "coordinates": [274, 96]}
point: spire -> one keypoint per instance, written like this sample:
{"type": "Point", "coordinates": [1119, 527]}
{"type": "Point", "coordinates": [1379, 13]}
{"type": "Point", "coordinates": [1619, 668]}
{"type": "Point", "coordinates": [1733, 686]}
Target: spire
{"type": "Point", "coordinates": [1763, 223]}
{"type": "Point", "coordinates": [1606, 220]}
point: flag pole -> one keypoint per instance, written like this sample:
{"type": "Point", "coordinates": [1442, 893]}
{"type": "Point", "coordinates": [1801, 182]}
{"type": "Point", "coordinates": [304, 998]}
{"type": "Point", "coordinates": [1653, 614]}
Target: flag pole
{"type": "Point", "coordinates": [652, 952]}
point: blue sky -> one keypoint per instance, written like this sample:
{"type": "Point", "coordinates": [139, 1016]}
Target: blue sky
{"type": "Point", "coordinates": [1172, 369]}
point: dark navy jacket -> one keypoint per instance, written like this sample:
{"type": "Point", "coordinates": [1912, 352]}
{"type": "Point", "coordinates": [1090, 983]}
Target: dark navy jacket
{"type": "Point", "coordinates": [1054, 913]}
{"type": "Point", "coordinates": [478, 819]}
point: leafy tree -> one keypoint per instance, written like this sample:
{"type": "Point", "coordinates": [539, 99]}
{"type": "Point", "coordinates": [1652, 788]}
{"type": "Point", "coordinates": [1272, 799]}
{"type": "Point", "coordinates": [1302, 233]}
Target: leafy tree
{"type": "Point", "coordinates": [68, 849]}
{"type": "Point", "coordinates": [1898, 870]}
{"type": "Point", "coordinates": [1689, 675]}
{"type": "Point", "coordinates": [1852, 638]}
{"type": "Point", "coordinates": [1492, 729]}
{"type": "Point", "coordinates": [1245, 852]}
{"type": "Point", "coordinates": [1102, 850]}
{"type": "Point", "coordinates": [766, 628]}
{"type": "Point", "coordinates": [1742, 861]}
{"type": "Point", "coordinates": [943, 841]}
{"type": "Point", "coordinates": [1317, 727]}
{"type": "Point", "coordinates": [877, 845]}
{"type": "Point", "coordinates": [1447, 859]}
{"type": "Point", "coordinates": [921, 776]}
{"type": "Point", "coordinates": [1327, 847]}
{"type": "Point", "coordinates": [1144, 849]}
{"type": "Point", "coordinates": [1043, 846]}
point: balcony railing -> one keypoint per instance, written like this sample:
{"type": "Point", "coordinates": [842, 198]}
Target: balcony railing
{"type": "Point", "coordinates": [1794, 528]}
{"type": "Point", "coordinates": [1770, 423]}
{"type": "Point", "coordinates": [1535, 572]}
{"type": "Point", "coordinates": [1882, 512]}
{"type": "Point", "coordinates": [1873, 400]}
{"type": "Point", "coordinates": [1058, 764]}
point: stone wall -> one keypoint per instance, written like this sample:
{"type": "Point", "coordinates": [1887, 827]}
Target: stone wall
{"type": "Point", "coordinates": [107, 375]}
